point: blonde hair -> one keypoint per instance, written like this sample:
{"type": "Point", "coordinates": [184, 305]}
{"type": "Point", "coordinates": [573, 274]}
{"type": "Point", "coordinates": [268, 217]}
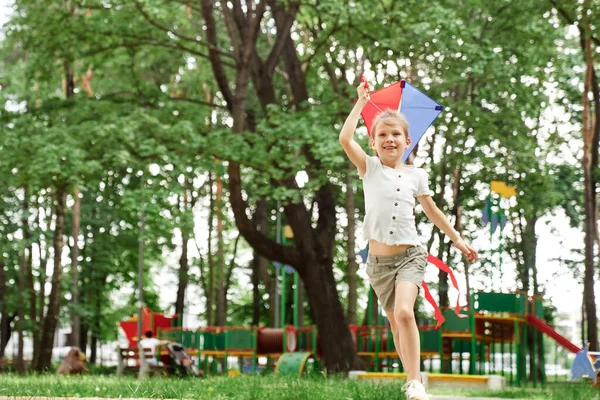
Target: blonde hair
{"type": "Point", "coordinates": [389, 114]}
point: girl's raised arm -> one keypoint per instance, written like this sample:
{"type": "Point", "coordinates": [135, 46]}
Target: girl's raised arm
{"type": "Point", "coordinates": [356, 154]}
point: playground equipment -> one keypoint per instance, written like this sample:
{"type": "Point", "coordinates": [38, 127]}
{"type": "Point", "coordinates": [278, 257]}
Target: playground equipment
{"type": "Point", "coordinates": [495, 322]}
{"type": "Point", "coordinates": [215, 347]}
{"type": "Point", "coordinates": [151, 321]}
{"type": "Point", "coordinates": [294, 364]}
{"type": "Point", "coordinates": [490, 340]}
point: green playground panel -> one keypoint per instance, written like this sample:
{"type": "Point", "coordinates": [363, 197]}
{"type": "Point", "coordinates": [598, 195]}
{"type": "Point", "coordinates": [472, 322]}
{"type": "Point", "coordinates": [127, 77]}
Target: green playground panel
{"type": "Point", "coordinates": [306, 340]}
{"type": "Point", "coordinates": [500, 302]}
{"type": "Point", "coordinates": [213, 340]}
{"type": "Point", "coordinates": [539, 308]}
{"type": "Point", "coordinates": [171, 335]}
{"type": "Point", "coordinates": [240, 339]}
{"type": "Point", "coordinates": [190, 339]}
{"type": "Point", "coordinates": [430, 340]}
{"type": "Point", "coordinates": [464, 346]}
{"type": "Point", "coordinates": [456, 324]}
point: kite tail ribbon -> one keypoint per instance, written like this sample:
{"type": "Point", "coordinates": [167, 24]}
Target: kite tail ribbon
{"type": "Point", "coordinates": [436, 309]}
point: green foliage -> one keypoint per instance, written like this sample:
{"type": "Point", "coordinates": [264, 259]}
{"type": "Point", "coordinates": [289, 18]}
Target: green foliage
{"type": "Point", "coordinates": [154, 121]}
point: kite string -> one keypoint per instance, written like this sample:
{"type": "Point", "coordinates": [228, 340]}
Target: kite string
{"type": "Point", "coordinates": [370, 101]}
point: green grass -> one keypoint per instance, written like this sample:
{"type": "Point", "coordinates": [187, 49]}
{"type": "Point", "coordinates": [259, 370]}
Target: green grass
{"type": "Point", "coordinates": [251, 387]}
{"type": "Point", "coordinates": [552, 391]}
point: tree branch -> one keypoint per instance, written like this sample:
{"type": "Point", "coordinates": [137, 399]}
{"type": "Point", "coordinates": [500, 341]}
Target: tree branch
{"type": "Point", "coordinates": [251, 35]}
{"type": "Point", "coordinates": [230, 25]}
{"type": "Point", "coordinates": [173, 32]}
{"type": "Point", "coordinates": [267, 247]}
{"type": "Point", "coordinates": [283, 34]}
{"type": "Point", "coordinates": [214, 56]}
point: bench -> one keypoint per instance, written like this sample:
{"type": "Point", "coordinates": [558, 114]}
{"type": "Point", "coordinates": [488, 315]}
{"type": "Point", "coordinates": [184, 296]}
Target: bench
{"type": "Point", "coordinates": [132, 353]}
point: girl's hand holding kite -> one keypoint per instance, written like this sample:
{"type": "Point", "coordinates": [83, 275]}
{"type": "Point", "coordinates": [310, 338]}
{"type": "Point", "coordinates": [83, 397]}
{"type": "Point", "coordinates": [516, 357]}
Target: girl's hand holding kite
{"type": "Point", "coordinates": [364, 94]}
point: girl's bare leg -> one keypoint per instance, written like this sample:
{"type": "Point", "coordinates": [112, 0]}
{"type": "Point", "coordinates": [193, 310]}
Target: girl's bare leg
{"type": "Point", "coordinates": [396, 335]}
{"type": "Point", "coordinates": [404, 317]}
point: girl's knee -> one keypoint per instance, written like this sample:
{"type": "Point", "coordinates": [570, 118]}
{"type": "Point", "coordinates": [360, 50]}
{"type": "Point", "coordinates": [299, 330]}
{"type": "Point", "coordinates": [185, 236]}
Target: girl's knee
{"type": "Point", "coordinates": [404, 315]}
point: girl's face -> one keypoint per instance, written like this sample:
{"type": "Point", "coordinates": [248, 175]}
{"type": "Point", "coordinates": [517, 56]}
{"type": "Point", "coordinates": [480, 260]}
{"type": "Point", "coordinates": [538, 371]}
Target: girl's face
{"type": "Point", "coordinates": [390, 140]}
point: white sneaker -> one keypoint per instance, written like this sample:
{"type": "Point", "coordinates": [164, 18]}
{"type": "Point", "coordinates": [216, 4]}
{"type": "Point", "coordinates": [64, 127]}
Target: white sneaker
{"type": "Point", "coordinates": [415, 390]}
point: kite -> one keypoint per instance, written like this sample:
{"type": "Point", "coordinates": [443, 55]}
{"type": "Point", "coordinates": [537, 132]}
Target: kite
{"type": "Point", "coordinates": [419, 109]}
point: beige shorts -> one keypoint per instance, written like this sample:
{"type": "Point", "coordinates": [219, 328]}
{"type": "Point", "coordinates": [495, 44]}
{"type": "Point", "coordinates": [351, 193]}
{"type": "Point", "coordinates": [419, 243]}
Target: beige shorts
{"type": "Point", "coordinates": [386, 271]}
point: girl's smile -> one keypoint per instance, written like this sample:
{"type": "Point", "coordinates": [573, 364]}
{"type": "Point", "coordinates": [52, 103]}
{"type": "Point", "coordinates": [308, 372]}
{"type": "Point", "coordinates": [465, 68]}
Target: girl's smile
{"type": "Point", "coordinates": [390, 141]}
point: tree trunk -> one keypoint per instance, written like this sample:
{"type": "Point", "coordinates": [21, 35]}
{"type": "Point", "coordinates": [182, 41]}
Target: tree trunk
{"type": "Point", "coordinates": [529, 254]}
{"type": "Point", "coordinates": [589, 274]}
{"type": "Point", "coordinates": [19, 361]}
{"type": "Point", "coordinates": [591, 135]}
{"type": "Point", "coordinates": [84, 329]}
{"type": "Point", "coordinates": [96, 327]}
{"type": "Point", "coordinates": [589, 166]}
{"type": "Point", "coordinates": [3, 310]}
{"type": "Point", "coordinates": [22, 278]}
{"type": "Point", "coordinates": [42, 278]}
{"type": "Point", "coordinates": [351, 261]}
{"type": "Point", "coordinates": [183, 277]}
{"type": "Point", "coordinates": [529, 257]}
{"type": "Point", "coordinates": [523, 257]}
{"type": "Point", "coordinates": [75, 322]}
{"type": "Point", "coordinates": [96, 333]}
{"type": "Point", "coordinates": [29, 286]}
{"type": "Point", "coordinates": [457, 213]}
{"type": "Point", "coordinates": [256, 301]}
{"type": "Point", "coordinates": [312, 252]}
{"type": "Point", "coordinates": [94, 340]}
{"type": "Point", "coordinates": [260, 219]}
{"type": "Point", "coordinates": [183, 265]}
{"type": "Point", "coordinates": [6, 331]}
{"type": "Point", "coordinates": [221, 318]}
{"type": "Point", "coordinates": [210, 293]}
{"type": "Point", "coordinates": [335, 340]}
{"type": "Point", "coordinates": [51, 320]}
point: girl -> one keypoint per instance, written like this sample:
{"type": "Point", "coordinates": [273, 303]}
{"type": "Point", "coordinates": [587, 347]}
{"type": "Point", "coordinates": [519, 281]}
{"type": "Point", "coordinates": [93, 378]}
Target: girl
{"type": "Point", "coordinates": [397, 260]}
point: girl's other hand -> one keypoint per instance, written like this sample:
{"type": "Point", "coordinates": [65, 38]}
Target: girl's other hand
{"type": "Point", "coordinates": [466, 250]}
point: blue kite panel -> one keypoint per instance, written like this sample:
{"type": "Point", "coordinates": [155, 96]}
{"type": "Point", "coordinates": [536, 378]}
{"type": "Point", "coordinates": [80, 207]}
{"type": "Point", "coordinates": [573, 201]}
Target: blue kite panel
{"type": "Point", "coordinates": [420, 111]}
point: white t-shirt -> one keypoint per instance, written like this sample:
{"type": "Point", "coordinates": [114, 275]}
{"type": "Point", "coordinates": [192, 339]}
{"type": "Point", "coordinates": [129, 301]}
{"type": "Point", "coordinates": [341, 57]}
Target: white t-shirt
{"type": "Point", "coordinates": [150, 343]}
{"type": "Point", "coordinates": [390, 201]}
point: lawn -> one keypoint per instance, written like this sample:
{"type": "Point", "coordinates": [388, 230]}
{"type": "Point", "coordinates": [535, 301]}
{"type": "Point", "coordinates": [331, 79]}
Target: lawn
{"type": "Point", "coordinates": [250, 387]}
